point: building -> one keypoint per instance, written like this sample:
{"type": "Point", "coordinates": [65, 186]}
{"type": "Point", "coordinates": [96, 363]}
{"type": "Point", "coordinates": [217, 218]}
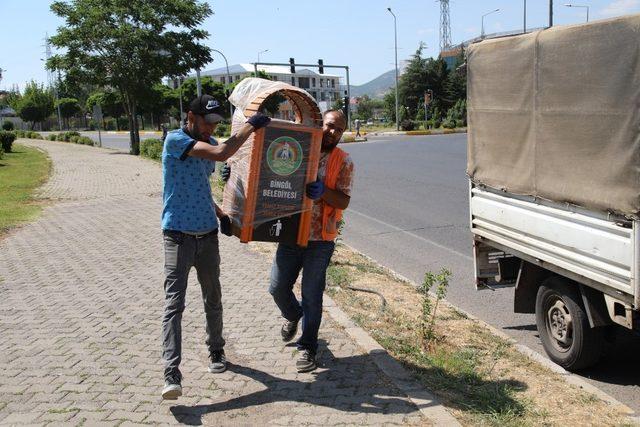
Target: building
{"type": "Point", "coordinates": [452, 53]}
{"type": "Point", "coordinates": [324, 88]}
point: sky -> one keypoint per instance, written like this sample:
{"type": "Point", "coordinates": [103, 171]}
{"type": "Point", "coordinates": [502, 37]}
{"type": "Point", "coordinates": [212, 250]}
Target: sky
{"type": "Point", "coordinates": [356, 33]}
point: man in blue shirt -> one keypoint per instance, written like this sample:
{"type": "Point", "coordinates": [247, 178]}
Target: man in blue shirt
{"type": "Point", "coordinates": [190, 228]}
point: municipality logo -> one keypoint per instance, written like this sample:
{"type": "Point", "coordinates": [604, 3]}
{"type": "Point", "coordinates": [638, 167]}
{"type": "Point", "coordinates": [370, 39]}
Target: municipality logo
{"type": "Point", "coordinates": [284, 156]}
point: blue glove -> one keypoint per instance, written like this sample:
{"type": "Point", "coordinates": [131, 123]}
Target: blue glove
{"type": "Point", "coordinates": [258, 120]}
{"type": "Point", "coordinates": [315, 190]}
{"type": "Point", "coordinates": [225, 225]}
{"type": "Point", "coordinates": [225, 172]}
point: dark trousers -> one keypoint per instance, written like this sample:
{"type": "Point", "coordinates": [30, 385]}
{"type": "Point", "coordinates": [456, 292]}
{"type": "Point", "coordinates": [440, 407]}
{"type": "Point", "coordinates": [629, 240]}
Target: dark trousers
{"type": "Point", "coordinates": [313, 261]}
{"type": "Point", "coordinates": [181, 252]}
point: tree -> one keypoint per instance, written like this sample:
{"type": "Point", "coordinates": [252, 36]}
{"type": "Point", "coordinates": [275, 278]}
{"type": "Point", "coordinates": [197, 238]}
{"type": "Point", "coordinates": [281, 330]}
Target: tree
{"type": "Point", "coordinates": [422, 74]}
{"type": "Point", "coordinates": [456, 84]}
{"type": "Point", "coordinates": [69, 107]}
{"type": "Point", "coordinates": [111, 104]}
{"type": "Point", "coordinates": [129, 45]}
{"type": "Point", "coordinates": [389, 101]}
{"type": "Point", "coordinates": [367, 107]}
{"type": "Point", "coordinates": [413, 83]}
{"type": "Point", "coordinates": [209, 87]}
{"type": "Point", "coordinates": [338, 104]}
{"type": "Point", "coordinates": [36, 104]}
{"type": "Point", "coordinates": [158, 101]}
{"type": "Point", "coordinates": [12, 98]}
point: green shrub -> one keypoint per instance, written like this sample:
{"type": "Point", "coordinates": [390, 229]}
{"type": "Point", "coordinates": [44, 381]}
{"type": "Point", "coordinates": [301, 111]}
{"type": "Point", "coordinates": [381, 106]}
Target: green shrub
{"type": "Point", "coordinates": [52, 137]}
{"type": "Point", "coordinates": [407, 125]}
{"type": "Point", "coordinates": [69, 134]}
{"type": "Point", "coordinates": [66, 136]}
{"type": "Point", "coordinates": [457, 115]}
{"type": "Point", "coordinates": [6, 140]}
{"type": "Point", "coordinates": [85, 140]}
{"type": "Point", "coordinates": [20, 133]}
{"type": "Point", "coordinates": [74, 139]}
{"type": "Point", "coordinates": [223, 129]}
{"type": "Point", "coordinates": [348, 138]}
{"type": "Point", "coordinates": [151, 148]}
{"type": "Point", "coordinates": [34, 135]}
{"type": "Point", "coordinates": [7, 125]}
{"type": "Point", "coordinates": [449, 123]}
{"type": "Point", "coordinates": [1, 153]}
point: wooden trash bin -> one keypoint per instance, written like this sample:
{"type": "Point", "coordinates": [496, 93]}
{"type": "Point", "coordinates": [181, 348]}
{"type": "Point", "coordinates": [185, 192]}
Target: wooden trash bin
{"type": "Point", "coordinates": [265, 194]}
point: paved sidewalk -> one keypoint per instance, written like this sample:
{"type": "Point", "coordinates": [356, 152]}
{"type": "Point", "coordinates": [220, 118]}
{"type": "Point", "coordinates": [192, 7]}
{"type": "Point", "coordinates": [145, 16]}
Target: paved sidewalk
{"type": "Point", "coordinates": [80, 306]}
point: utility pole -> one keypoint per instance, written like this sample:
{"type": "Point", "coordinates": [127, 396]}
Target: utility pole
{"type": "Point", "coordinates": [228, 75]}
{"type": "Point", "coordinates": [198, 83]}
{"type": "Point", "coordinates": [524, 31]}
{"type": "Point", "coordinates": [181, 109]}
{"type": "Point", "coordinates": [395, 35]}
{"type": "Point", "coordinates": [550, 13]}
{"type": "Point", "coordinates": [51, 77]}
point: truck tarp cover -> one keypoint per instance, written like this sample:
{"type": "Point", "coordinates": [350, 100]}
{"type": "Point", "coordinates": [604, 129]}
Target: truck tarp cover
{"type": "Point", "coordinates": [556, 114]}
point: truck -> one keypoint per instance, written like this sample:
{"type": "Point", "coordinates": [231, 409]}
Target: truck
{"type": "Point", "coordinates": [554, 180]}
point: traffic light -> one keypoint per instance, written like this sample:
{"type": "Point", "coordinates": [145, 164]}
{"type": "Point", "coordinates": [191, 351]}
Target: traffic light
{"type": "Point", "coordinates": [345, 108]}
{"type": "Point", "coordinates": [428, 96]}
{"type": "Point", "coordinates": [320, 66]}
{"type": "Point", "coordinates": [292, 63]}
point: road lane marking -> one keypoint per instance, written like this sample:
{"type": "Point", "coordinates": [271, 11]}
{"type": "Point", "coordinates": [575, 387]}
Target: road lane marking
{"type": "Point", "coordinates": [415, 236]}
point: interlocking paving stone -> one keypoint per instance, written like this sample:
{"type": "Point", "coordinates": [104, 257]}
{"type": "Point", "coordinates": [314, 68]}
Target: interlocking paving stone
{"type": "Point", "coordinates": [81, 301]}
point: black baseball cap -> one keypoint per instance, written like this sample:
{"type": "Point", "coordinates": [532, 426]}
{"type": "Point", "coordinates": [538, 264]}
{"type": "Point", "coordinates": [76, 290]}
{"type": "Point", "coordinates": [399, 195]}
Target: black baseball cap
{"type": "Point", "coordinates": [208, 107]}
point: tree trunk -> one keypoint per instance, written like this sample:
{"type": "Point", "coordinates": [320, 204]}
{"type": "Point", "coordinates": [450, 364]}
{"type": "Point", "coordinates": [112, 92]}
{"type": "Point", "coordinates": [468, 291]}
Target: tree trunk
{"type": "Point", "coordinates": [134, 135]}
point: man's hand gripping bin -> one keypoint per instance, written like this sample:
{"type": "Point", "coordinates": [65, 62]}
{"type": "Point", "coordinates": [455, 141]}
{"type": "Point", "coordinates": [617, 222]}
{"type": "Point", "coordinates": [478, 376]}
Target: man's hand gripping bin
{"type": "Point", "coordinates": [265, 194]}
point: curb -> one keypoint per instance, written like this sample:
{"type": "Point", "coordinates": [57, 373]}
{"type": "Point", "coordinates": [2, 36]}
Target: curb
{"type": "Point", "coordinates": [126, 132]}
{"type": "Point", "coordinates": [432, 133]}
{"type": "Point", "coordinates": [425, 401]}
{"type": "Point", "coordinates": [533, 355]}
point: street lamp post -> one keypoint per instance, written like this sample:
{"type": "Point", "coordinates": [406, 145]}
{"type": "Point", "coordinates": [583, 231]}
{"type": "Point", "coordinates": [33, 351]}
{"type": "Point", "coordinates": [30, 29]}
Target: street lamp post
{"type": "Point", "coordinates": [226, 63]}
{"type": "Point", "coordinates": [482, 26]}
{"type": "Point", "coordinates": [198, 83]}
{"type": "Point", "coordinates": [181, 109]}
{"type": "Point", "coordinates": [581, 6]}
{"type": "Point", "coordinates": [395, 35]}
{"type": "Point", "coordinates": [262, 51]}
{"type": "Point", "coordinates": [524, 31]}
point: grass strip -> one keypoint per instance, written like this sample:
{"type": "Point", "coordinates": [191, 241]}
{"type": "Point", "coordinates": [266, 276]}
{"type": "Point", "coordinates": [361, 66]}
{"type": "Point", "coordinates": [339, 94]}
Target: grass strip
{"type": "Point", "coordinates": [21, 172]}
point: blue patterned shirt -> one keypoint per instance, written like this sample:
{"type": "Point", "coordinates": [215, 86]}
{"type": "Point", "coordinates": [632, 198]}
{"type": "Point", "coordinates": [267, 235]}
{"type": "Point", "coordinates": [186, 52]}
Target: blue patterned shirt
{"type": "Point", "coordinates": [187, 202]}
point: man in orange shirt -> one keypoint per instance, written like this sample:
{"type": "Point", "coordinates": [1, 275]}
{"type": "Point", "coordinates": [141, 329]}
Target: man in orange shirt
{"type": "Point", "coordinates": [331, 194]}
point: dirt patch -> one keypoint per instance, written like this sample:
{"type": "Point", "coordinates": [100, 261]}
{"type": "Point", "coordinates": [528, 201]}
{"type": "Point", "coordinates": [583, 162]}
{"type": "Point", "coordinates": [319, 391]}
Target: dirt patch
{"type": "Point", "coordinates": [478, 375]}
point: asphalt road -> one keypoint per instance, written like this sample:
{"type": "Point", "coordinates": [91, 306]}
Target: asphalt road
{"type": "Point", "coordinates": [409, 211]}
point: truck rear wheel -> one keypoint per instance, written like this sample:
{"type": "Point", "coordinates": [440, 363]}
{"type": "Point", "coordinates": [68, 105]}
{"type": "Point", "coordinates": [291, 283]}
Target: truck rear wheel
{"type": "Point", "coordinates": [564, 328]}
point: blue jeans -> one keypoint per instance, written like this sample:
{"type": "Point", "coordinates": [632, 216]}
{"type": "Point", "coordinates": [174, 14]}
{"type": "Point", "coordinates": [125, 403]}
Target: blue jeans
{"type": "Point", "coordinates": [313, 261]}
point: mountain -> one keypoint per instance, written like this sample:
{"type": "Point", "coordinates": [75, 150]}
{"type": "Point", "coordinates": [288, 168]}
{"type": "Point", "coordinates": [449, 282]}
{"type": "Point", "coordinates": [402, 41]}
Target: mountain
{"type": "Point", "coordinates": [377, 87]}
